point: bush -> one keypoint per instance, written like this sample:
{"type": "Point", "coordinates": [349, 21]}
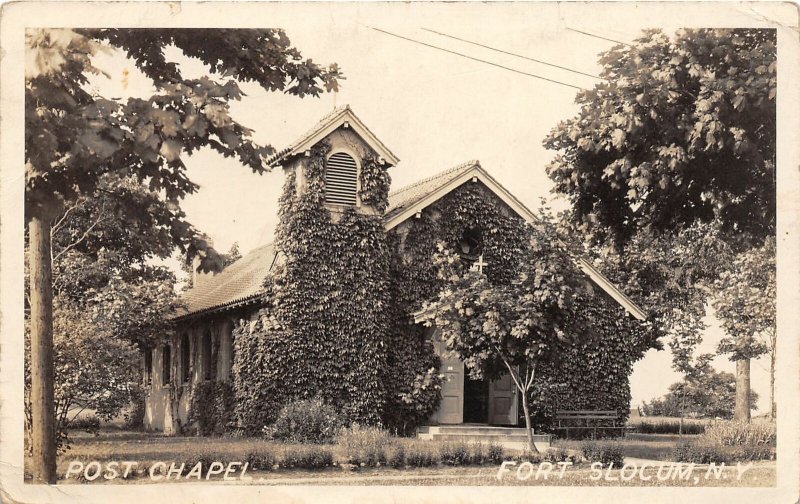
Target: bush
{"type": "Point", "coordinates": [210, 408]}
{"type": "Point", "coordinates": [421, 454]}
{"type": "Point", "coordinates": [700, 452]}
{"type": "Point", "coordinates": [396, 456]}
{"type": "Point", "coordinates": [89, 423]}
{"type": "Point", "coordinates": [263, 459]}
{"type": "Point", "coordinates": [364, 446]}
{"type": "Point", "coordinates": [307, 421]}
{"type": "Point", "coordinates": [495, 453]}
{"type": "Point", "coordinates": [732, 433]}
{"type": "Point", "coordinates": [556, 455]}
{"type": "Point", "coordinates": [668, 427]}
{"type": "Point", "coordinates": [605, 453]}
{"type": "Point", "coordinates": [730, 441]}
{"type": "Point", "coordinates": [306, 457]}
{"type": "Point", "coordinates": [454, 453]}
{"type": "Point", "coordinates": [529, 456]}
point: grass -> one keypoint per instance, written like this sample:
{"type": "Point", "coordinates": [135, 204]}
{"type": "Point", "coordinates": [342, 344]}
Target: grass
{"type": "Point", "coordinates": [146, 448]}
{"type": "Point", "coordinates": [641, 446]}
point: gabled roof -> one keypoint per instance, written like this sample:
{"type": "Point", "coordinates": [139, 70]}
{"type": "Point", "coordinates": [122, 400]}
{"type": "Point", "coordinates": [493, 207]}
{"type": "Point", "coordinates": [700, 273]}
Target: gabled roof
{"type": "Point", "coordinates": [416, 197]}
{"type": "Point", "coordinates": [411, 194]}
{"type": "Point", "coordinates": [339, 116]}
{"type": "Point", "coordinates": [243, 281]}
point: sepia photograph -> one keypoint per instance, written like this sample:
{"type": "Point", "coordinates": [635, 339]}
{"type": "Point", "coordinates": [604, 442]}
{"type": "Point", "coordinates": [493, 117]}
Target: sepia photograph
{"type": "Point", "coordinates": [375, 251]}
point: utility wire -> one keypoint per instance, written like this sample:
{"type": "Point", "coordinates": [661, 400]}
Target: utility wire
{"type": "Point", "coordinates": [513, 54]}
{"type": "Point", "coordinates": [476, 59]}
{"type": "Point", "coordinates": [596, 36]}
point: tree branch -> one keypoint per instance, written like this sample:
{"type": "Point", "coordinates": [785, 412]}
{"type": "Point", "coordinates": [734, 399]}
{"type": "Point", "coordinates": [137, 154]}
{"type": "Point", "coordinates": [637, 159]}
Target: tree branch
{"type": "Point", "coordinates": [72, 245]}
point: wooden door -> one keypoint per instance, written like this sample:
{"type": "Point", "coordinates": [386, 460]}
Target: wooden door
{"type": "Point", "coordinates": [451, 409]}
{"type": "Point", "coordinates": [503, 401]}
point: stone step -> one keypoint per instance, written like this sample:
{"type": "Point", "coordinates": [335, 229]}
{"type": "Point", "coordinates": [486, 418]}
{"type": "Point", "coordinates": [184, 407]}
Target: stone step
{"type": "Point", "coordinates": [475, 429]}
{"type": "Point", "coordinates": [485, 438]}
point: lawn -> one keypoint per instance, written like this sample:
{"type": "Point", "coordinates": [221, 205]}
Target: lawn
{"type": "Point", "coordinates": [147, 448]}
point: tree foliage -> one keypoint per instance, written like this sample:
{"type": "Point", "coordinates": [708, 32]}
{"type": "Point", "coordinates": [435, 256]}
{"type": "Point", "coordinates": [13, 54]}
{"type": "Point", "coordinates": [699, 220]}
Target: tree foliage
{"type": "Point", "coordinates": [680, 130]}
{"type": "Point", "coordinates": [73, 138]}
{"type": "Point", "coordinates": [707, 394]}
{"type": "Point", "coordinates": [531, 322]}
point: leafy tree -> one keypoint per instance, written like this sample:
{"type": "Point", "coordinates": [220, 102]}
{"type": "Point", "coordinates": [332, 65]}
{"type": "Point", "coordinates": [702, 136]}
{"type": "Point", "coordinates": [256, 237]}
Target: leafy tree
{"type": "Point", "coordinates": [226, 260]}
{"type": "Point", "coordinates": [109, 303]}
{"type": "Point", "coordinates": [512, 328]}
{"type": "Point", "coordinates": [73, 138]}
{"type": "Point", "coordinates": [680, 132]}
{"type": "Point", "coordinates": [94, 370]}
{"type": "Point", "coordinates": [708, 394]}
{"type": "Point", "coordinates": [745, 302]}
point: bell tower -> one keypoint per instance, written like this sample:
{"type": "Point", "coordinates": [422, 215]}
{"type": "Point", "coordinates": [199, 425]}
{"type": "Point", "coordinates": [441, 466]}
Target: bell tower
{"type": "Point", "coordinates": [354, 164]}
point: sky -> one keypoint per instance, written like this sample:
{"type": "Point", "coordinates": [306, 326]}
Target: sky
{"type": "Point", "coordinates": [433, 109]}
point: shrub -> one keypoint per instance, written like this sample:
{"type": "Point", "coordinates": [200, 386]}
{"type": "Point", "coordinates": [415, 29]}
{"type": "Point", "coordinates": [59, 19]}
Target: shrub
{"type": "Point", "coordinates": [555, 455]}
{"type": "Point", "coordinates": [89, 423]}
{"type": "Point", "coordinates": [529, 456]}
{"type": "Point", "coordinates": [477, 454]}
{"type": "Point", "coordinates": [421, 454]}
{"type": "Point", "coordinates": [365, 446]}
{"type": "Point", "coordinates": [263, 459]}
{"type": "Point", "coordinates": [495, 453]}
{"type": "Point", "coordinates": [730, 441]}
{"type": "Point", "coordinates": [605, 453]}
{"type": "Point", "coordinates": [396, 456]}
{"type": "Point", "coordinates": [210, 408]}
{"type": "Point", "coordinates": [306, 421]}
{"type": "Point", "coordinates": [454, 453]}
{"type": "Point", "coordinates": [306, 457]}
{"type": "Point", "coordinates": [668, 427]}
{"type": "Point", "coordinates": [732, 433]}
{"type": "Point", "coordinates": [205, 458]}
{"type": "Point", "coordinates": [700, 452]}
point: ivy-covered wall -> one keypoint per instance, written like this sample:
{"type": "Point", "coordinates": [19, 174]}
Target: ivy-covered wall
{"type": "Point", "coordinates": [592, 374]}
{"type": "Point", "coordinates": [324, 332]}
{"type": "Point", "coordinates": [338, 321]}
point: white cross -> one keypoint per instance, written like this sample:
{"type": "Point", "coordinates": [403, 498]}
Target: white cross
{"type": "Point", "coordinates": [479, 264]}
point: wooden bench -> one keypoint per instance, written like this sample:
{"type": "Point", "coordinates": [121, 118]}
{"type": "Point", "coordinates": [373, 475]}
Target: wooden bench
{"type": "Point", "coordinates": [584, 417]}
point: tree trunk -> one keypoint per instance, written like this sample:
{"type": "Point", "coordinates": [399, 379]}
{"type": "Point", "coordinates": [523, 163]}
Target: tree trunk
{"type": "Point", "coordinates": [43, 433]}
{"type": "Point", "coordinates": [742, 409]}
{"type": "Point", "coordinates": [772, 406]}
{"type": "Point", "coordinates": [528, 428]}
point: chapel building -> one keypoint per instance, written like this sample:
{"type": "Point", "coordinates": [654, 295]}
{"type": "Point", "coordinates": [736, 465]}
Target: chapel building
{"type": "Point", "coordinates": [464, 207]}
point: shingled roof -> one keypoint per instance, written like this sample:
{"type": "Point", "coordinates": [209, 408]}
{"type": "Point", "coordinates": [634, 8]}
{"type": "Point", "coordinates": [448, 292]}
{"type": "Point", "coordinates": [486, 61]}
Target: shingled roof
{"type": "Point", "coordinates": [409, 195]}
{"type": "Point", "coordinates": [339, 116]}
{"type": "Point", "coordinates": [239, 283]}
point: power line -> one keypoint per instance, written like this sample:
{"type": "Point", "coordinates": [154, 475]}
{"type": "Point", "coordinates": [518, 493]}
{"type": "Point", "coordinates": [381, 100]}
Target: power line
{"type": "Point", "coordinates": [513, 54]}
{"type": "Point", "coordinates": [596, 36]}
{"type": "Point", "coordinates": [476, 59]}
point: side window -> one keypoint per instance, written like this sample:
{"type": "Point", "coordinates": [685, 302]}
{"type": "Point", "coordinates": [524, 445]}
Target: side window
{"type": "Point", "coordinates": [341, 179]}
{"type": "Point", "coordinates": [166, 365]}
{"type": "Point", "coordinates": [148, 366]}
{"type": "Point", "coordinates": [186, 356]}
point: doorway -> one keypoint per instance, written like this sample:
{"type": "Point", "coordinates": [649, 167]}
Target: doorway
{"type": "Point", "coordinates": [476, 400]}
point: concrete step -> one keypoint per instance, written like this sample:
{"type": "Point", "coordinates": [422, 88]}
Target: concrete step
{"type": "Point", "coordinates": [484, 438]}
{"type": "Point", "coordinates": [475, 429]}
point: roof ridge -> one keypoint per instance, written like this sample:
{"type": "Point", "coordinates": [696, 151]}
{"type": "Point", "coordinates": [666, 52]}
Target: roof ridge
{"type": "Point", "coordinates": [461, 166]}
{"type": "Point", "coordinates": [300, 139]}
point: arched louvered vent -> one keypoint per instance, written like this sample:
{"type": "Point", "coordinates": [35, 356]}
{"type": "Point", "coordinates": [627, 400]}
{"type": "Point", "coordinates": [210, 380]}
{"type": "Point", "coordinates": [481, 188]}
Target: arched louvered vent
{"type": "Point", "coordinates": [341, 179]}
